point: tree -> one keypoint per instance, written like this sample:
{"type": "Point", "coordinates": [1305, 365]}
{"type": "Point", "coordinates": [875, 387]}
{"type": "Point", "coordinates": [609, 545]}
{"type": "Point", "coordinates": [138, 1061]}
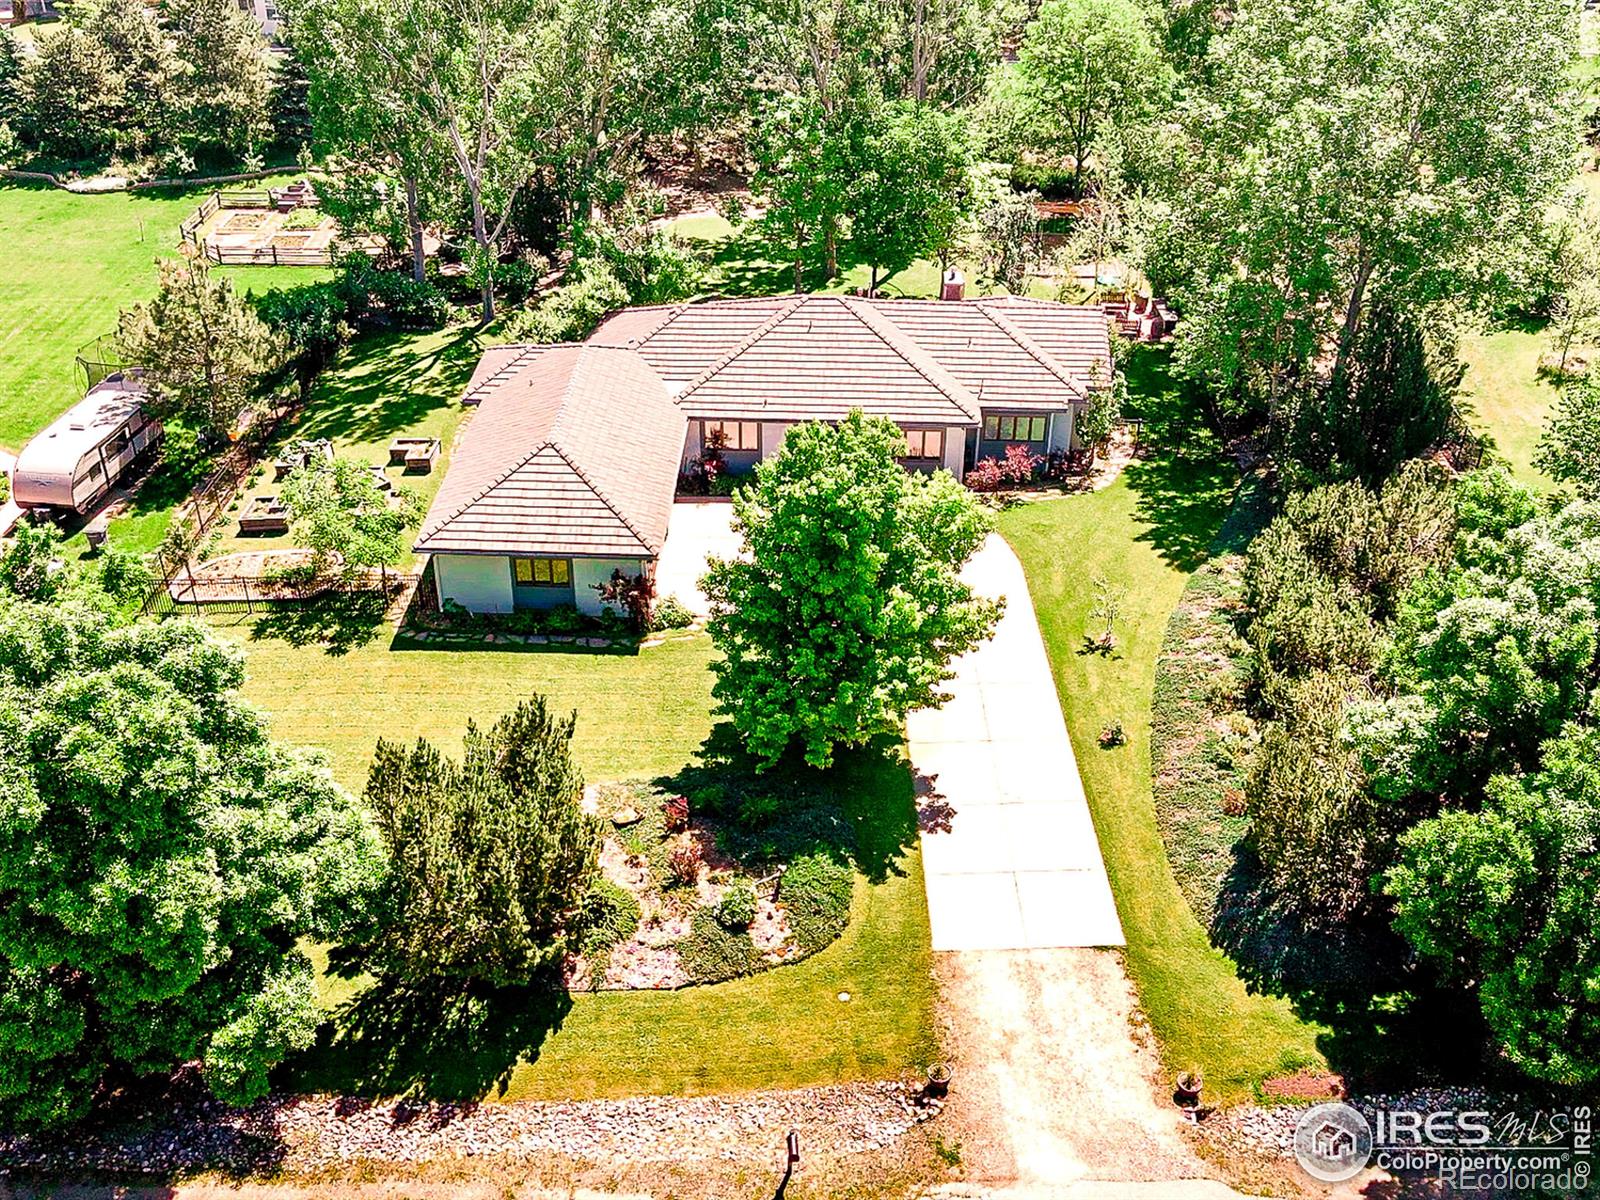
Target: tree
{"type": "Point", "coordinates": [340, 512]}
{"type": "Point", "coordinates": [1084, 63]}
{"type": "Point", "coordinates": [1340, 153]}
{"type": "Point", "coordinates": [28, 564]}
{"type": "Point", "coordinates": [1103, 410]}
{"type": "Point", "coordinates": [356, 110]}
{"type": "Point", "coordinates": [910, 187]}
{"type": "Point", "coordinates": [1008, 238]}
{"type": "Point", "coordinates": [160, 859]}
{"type": "Point", "coordinates": [147, 69]}
{"type": "Point", "coordinates": [490, 858]}
{"type": "Point", "coordinates": [202, 347]}
{"type": "Point", "coordinates": [1107, 606]}
{"type": "Point", "coordinates": [1569, 448]}
{"type": "Point", "coordinates": [847, 607]}
{"type": "Point", "coordinates": [802, 174]}
{"type": "Point", "coordinates": [68, 95]}
{"type": "Point", "coordinates": [1575, 275]}
{"type": "Point", "coordinates": [944, 50]}
{"type": "Point", "coordinates": [225, 87]}
{"type": "Point", "coordinates": [1504, 898]}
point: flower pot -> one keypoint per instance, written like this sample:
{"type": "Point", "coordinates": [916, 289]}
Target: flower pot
{"type": "Point", "coordinates": [938, 1085]}
{"type": "Point", "coordinates": [1188, 1089]}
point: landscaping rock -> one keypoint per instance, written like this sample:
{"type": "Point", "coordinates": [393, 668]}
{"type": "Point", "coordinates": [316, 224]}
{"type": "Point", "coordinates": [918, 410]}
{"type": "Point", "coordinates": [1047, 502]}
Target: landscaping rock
{"type": "Point", "coordinates": [626, 816]}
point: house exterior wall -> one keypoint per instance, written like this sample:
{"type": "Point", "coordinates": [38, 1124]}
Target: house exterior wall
{"type": "Point", "coordinates": [773, 433]}
{"type": "Point", "coordinates": [955, 450]}
{"type": "Point", "coordinates": [477, 582]}
{"type": "Point", "coordinates": [1057, 436]}
{"type": "Point", "coordinates": [587, 572]}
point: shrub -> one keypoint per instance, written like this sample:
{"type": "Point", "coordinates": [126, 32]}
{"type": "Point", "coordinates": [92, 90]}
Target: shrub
{"type": "Point", "coordinates": [570, 313]}
{"type": "Point", "coordinates": [1020, 465]}
{"type": "Point", "coordinates": [675, 813]}
{"type": "Point", "coordinates": [518, 281]}
{"type": "Point", "coordinates": [633, 594]}
{"type": "Point", "coordinates": [316, 321]}
{"type": "Point", "coordinates": [683, 865]}
{"type": "Point", "coordinates": [563, 619]}
{"type": "Point", "coordinates": [815, 893]}
{"type": "Point", "coordinates": [713, 953]}
{"type": "Point", "coordinates": [985, 476]}
{"type": "Point", "coordinates": [671, 614]}
{"type": "Point", "coordinates": [609, 917]}
{"type": "Point", "coordinates": [1113, 735]}
{"type": "Point", "coordinates": [738, 907]}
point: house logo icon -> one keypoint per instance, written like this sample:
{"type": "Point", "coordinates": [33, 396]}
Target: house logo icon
{"type": "Point", "coordinates": [1332, 1142]}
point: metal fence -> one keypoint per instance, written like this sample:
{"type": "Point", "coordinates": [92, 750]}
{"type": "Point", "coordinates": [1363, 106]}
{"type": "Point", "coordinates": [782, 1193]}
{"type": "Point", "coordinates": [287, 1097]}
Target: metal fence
{"type": "Point", "coordinates": [189, 588]}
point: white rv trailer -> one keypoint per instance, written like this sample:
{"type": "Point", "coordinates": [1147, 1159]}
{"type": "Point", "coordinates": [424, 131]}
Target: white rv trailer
{"type": "Point", "coordinates": [78, 456]}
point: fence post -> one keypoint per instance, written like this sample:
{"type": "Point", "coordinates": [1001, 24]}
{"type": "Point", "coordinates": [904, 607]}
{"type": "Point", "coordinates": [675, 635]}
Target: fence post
{"type": "Point", "coordinates": [249, 605]}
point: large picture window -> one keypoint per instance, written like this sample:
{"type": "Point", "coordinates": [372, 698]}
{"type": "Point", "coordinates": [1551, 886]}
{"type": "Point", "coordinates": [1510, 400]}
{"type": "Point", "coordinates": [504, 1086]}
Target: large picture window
{"type": "Point", "coordinates": [541, 572]}
{"type": "Point", "coordinates": [1021, 427]}
{"type": "Point", "coordinates": [737, 435]}
{"type": "Point", "coordinates": [924, 443]}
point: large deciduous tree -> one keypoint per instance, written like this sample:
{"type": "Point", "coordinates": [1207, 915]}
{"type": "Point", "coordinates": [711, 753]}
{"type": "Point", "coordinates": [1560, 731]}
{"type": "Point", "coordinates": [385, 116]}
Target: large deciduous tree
{"type": "Point", "coordinates": [202, 347]}
{"type": "Point", "coordinates": [1083, 65]}
{"type": "Point", "coordinates": [1341, 153]}
{"type": "Point", "coordinates": [490, 857]}
{"type": "Point", "coordinates": [342, 514]}
{"type": "Point", "coordinates": [1569, 450]}
{"type": "Point", "coordinates": [160, 858]}
{"type": "Point", "coordinates": [847, 607]}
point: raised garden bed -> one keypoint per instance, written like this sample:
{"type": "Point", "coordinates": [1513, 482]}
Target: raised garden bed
{"type": "Point", "coordinates": [686, 899]}
{"type": "Point", "coordinates": [266, 515]}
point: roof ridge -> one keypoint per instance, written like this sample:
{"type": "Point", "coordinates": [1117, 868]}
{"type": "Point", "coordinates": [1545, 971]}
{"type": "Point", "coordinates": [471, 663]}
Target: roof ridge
{"type": "Point", "coordinates": [915, 356]}
{"type": "Point", "coordinates": [1042, 356]}
{"type": "Point", "coordinates": [600, 494]}
{"type": "Point", "coordinates": [739, 347]}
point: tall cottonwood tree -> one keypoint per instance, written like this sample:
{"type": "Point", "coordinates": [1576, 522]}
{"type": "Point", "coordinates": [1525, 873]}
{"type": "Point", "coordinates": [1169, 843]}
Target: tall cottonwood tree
{"type": "Point", "coordinates": [1341, 151]}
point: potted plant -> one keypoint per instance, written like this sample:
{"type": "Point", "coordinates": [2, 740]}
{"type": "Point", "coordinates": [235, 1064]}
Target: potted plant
{"type": "Point", "coordinates": [1189, 1085]}
{"type": "Point", "coordinates": [938, 1085]}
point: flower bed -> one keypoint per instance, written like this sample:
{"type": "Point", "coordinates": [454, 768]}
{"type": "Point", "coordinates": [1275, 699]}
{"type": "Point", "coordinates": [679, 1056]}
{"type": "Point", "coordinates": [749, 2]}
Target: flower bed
{"type": "Point", "coordinates": [686, 899]}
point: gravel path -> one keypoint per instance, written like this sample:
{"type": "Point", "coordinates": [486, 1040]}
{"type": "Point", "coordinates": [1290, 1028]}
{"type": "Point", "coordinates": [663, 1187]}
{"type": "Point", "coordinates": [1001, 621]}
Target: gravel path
{"type": "Point", "coordinates": [1054, 1085]}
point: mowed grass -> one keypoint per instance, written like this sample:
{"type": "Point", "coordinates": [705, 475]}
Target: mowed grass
{"type": "Point", "coordinates": [1147, 533]}
{"type": "Point", "coordinates": [71, 262]}
{"type": "Point", "coordinates": [640, 716]}
{"type": "Point", "coordinates": [1505, 396]}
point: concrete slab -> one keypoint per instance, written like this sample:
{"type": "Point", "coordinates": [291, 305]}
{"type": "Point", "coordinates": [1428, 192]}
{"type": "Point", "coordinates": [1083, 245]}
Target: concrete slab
{"type": "Point", "coordinates": [1009, 852]}
{"type": "Point", "coordinates": [696, 531]}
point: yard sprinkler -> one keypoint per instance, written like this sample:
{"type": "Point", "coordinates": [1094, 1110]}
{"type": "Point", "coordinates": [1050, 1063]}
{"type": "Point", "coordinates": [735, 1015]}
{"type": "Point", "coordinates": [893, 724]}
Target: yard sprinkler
{"type": "Point", "coordinates": [792, 1145]}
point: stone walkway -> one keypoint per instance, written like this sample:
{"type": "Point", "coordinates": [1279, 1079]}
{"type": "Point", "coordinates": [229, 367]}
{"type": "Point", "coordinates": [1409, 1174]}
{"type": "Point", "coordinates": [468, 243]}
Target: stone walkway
{"type": "Point", "coordinates": [1008, 846]}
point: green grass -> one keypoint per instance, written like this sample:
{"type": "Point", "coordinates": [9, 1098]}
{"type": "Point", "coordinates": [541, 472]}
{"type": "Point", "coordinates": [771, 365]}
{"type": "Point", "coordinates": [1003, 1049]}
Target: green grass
{"type": "Point", "coordinates": [1506, 397]}
{"type": "Point", "coordinates": [73, 261]}
{"type": "Point", "coordinates": [1147, 533]}
{"type": "Point", "coordinates": [639, 715]}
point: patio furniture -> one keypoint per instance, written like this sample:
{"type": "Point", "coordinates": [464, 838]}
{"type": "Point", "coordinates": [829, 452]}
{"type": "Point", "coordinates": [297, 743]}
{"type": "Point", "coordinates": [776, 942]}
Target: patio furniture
{"type": "Point", "coordinates": [417, 453]}
{"type": "Point", "coordinates": [264, 514]}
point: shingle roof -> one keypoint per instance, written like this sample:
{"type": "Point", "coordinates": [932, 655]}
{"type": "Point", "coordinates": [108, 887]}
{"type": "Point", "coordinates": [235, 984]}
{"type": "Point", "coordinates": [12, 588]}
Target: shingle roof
{"type": "Point", "coordinates": [574, 450]}
{"type": "Point", "coordinates": [800, 357]}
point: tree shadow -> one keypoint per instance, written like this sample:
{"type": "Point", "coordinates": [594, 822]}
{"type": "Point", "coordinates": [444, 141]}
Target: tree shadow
{"type": "Point", "coordinates": [435, 1040]}
{"type": "Point", "coordinates": [338, 621]}
{"type": "Point", "coordinates": [861, 811]}
{"type": "Point", "coordinates": [1389, 1022]}
{"type": "Point", "coordinates": [387, 382]}
{"type": "Point", "coordinates": [1183, 480]}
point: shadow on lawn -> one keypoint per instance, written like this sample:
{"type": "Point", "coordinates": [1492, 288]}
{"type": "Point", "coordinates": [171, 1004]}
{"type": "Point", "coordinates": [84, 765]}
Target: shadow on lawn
{"type": "Point", "coordinates": [339, 621]}
{"type": "Point", "coordinates": [438, 1040]}
{"type": "Point", "coordinates": [1183, 480]}
{"type": "Point", "coordinates": [861, 811]}
{"type": "Point", "coordinates": [387, 382]}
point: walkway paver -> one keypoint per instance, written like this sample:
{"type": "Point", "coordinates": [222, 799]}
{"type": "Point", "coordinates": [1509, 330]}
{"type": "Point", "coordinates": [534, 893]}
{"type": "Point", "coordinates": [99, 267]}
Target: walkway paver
{"type": "Point", "coordinates": [1008, 848]}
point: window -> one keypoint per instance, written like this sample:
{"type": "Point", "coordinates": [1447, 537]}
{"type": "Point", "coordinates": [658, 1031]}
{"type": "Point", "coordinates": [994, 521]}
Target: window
{"type": "Point", "coordinates": [541, 572]}
{"type": "Point", "coordinates": [738, 435]}
{"type": "Point", "coordinates": [924, 443]}
{"type": "Point", "coordinates": [1027, 427]}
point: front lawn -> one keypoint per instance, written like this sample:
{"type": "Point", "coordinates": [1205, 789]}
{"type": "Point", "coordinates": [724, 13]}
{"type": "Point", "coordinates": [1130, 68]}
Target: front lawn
{"type": "Point", "coordinates": [639, 715]}
{"type": "Point", "coordinates": [1506, 397]}
{"type": "Point", "coordinates": [73, 261]}
{"type": "Point", "coordinates": [1147, 533]}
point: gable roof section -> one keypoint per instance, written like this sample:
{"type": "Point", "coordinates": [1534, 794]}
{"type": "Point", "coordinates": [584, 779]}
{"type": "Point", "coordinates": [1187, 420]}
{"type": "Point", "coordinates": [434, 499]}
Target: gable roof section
{"type": "Point", "coordinates": [574, 452]}
{"type": "Point", "coordinates": [1073, 335]}
{"type": "Point", "coordinates": [681, 340]}
{"type": "Point", "coordinates": [801, 358]}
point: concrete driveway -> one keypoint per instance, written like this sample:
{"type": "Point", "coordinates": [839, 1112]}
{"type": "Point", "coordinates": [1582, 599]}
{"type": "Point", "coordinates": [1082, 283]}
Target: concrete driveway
{"type": "Point", "coordinates": [1008, 847]}
{"type": "Point", "coordinates": [697, 530]}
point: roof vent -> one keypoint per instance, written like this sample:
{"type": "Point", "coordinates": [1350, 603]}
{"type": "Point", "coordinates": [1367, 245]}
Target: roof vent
{"type": "Point", "coordinates": [953, 286]}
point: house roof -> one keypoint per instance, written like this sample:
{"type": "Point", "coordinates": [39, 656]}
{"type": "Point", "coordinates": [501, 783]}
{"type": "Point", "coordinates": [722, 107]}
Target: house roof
{"type": "Point", "coordinates": [574, 450]}
{"type": "Point", "coordinates": [816, 357]}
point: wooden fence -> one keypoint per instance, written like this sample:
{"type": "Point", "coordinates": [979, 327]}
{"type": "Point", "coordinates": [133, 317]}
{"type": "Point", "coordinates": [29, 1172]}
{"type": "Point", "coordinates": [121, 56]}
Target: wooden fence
{"type": "Point", "coordinates": [270, 256]}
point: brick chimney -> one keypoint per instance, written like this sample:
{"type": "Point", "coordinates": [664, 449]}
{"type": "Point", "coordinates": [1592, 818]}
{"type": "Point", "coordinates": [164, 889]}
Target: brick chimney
{"type": "Point", "coordinates": [953, 285]}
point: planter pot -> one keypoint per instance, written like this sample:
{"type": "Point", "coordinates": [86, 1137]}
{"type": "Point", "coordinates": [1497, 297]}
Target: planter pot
{"type": "Point", "coordinates": [938, 1085]}
{"type": "Point", "coordinates": [1188, 1089]}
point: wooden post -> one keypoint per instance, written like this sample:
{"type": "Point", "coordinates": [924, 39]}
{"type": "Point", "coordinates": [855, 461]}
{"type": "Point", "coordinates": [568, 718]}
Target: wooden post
{"type": "Point", "coordinates": [249, 606]}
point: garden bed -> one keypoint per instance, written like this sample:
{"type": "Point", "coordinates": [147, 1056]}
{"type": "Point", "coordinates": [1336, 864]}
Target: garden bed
{"type": "Point", "coordinates": [688, 899]}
